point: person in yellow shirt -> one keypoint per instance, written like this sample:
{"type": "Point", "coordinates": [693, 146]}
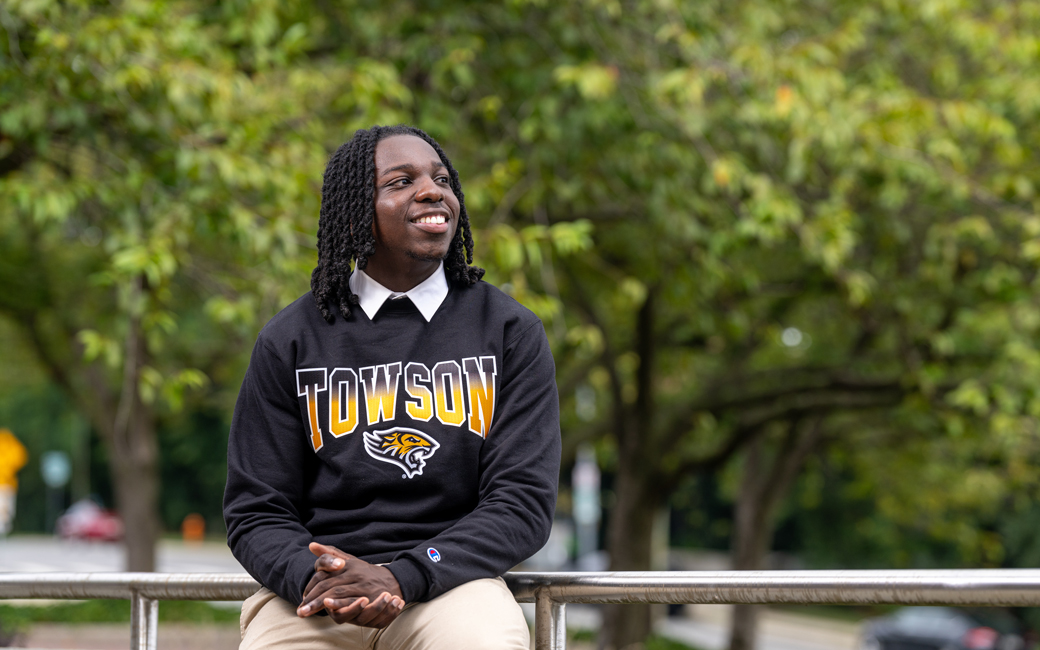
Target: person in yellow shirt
{"type": "Point", "coordinates": [12, 458]}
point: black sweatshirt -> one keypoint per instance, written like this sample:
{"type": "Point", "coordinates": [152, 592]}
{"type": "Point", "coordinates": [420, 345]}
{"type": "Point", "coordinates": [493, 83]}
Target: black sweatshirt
{"type": "Point", "coordinates": [433, 447]}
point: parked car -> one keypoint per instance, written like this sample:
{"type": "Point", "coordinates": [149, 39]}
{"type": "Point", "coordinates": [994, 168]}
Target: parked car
{"type": "Point", "coordinates": [943, 628]}
{"type": "Point", "coordinates": [87, 520]}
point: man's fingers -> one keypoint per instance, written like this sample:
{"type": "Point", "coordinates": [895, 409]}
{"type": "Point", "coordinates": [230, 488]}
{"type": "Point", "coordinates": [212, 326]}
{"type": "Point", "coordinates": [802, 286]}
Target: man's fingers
{"type": "Point", "coordinates": [311, 598]}
{"type": "Point", "coordinates": [307, 608]}
{"type": "Point", "coordinates": [314, 600]}
{"type": "Point", "coordinates": [373, 610]}
{"type": "Point", "coordinates": [331, 586]}
{"type": "Point", "coordinates": [316, 579]}
{"type": "Point", "coordinates": [329, 563]}
{"type": "Point", "coordinates": [389, 608]}
{"type": "Point", "coordinates": [341, 612]}
{"type": "Point", "coordinates": [393, 609]}
{"type": "Point", "coordinates": [324, 549]}
{"type": "Point", "coordinates": [377, 614]}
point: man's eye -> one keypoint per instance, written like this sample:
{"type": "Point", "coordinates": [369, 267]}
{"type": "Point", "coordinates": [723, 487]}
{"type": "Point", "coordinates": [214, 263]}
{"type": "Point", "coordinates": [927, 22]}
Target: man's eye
{"type": "Point", "coordinates": [442, 179]}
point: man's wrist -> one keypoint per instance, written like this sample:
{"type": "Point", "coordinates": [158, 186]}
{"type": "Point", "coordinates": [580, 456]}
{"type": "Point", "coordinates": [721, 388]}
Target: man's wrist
{"type": "Point", "coordinates": [393, 587]}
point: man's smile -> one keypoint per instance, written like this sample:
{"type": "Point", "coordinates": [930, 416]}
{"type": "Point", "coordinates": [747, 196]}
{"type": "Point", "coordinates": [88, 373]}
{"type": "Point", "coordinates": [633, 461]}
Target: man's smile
{"type": "Point", "coordinates": [435, 224]}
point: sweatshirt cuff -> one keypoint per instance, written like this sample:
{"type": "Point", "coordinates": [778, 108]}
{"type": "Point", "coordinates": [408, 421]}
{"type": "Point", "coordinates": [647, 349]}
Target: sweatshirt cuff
{"type": "Point", "coordinates": [299, 573]}
{"type": "Point", "coordinates": [411, 579]}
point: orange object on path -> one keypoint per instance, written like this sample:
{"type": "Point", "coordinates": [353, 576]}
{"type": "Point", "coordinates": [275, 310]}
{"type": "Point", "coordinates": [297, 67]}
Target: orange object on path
{"type": "Point", "coordinates": [193, 528]}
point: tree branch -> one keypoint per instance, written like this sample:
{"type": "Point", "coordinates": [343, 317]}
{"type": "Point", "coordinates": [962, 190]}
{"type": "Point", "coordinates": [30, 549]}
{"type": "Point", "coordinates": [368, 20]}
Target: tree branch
{"type": "Point", "coordinates": [817, 404]}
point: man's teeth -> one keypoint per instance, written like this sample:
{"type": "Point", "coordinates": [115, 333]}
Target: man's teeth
{"type": "Point", "coordinates": [438, 219]}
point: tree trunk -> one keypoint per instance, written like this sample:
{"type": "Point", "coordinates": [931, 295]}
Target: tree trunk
{"type": "Point", "coordinates": [632, 519]}
{"type": "Point", "coordinates": [125, 424]}
{"type": "Point", "coordinates": [750, 543]}
{"type": "Point", "coordinates": [631, 549]}
{"type": "Point", "coordinates": [136, 486]}
{"type": "Point", "coordinates": [763, 486]}
{"type": "Point", "coordinates": [134, 452]}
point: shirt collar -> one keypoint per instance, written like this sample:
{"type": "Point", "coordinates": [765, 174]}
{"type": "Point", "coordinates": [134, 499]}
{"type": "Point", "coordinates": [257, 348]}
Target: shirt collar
{"type": "Point", "coordinates": [427, 296]}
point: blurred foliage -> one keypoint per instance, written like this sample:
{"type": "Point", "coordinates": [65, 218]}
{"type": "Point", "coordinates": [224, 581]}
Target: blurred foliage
{"type": "Point", "coordinates": [857, 173]}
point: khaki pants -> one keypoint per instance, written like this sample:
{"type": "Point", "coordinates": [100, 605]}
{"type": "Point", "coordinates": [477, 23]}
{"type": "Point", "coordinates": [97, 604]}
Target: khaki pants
{"type": "Point", "coordinates": [477, 615]}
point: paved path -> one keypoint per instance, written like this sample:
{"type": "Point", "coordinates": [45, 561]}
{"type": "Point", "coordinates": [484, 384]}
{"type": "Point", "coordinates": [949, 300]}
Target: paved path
{"type": "Point", "coordinates": [36, 554]}
{"type": "Point", "coordinates": [707, 627]}
{"type": "Point", "coordinates": [116, 636]}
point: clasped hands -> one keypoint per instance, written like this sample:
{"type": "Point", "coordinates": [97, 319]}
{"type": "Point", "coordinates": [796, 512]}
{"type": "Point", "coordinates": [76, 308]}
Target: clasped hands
{"type": "Point", "coordinates": [350, 590]}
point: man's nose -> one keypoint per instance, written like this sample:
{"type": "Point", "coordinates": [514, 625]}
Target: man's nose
{"type": "Point", "coordinates": [429, 191]}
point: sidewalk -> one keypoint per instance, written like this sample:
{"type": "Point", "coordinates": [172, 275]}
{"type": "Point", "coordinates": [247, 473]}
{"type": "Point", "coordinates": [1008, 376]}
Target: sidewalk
{"type": "Point", "coordinates": [707, 626]}
{"type": "Point", "coordinates": [116, 636]}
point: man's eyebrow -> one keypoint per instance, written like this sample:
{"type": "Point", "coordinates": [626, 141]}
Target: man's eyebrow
{"type": "Point", "coordinates": [410, 167]}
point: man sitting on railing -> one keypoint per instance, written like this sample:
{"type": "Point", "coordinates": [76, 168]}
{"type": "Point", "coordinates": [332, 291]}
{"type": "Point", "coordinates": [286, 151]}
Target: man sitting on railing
{"type": "Point", "coordinates": [412, 445]}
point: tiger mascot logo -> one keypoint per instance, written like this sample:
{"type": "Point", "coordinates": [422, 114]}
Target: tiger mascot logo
{"type": "Point", "coordinates": [406, 448]}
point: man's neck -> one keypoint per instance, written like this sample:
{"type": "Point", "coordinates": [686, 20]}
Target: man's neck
{"type": "Point", "coordinates": [402, 277]}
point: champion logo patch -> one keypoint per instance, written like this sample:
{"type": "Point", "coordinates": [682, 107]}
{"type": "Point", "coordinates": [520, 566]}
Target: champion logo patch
{"type": "Point", "coordinates": [434, 555]}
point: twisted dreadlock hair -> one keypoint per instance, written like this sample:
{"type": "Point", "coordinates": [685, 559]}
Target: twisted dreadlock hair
{"type": "Point", "coordinates": [348, 211]}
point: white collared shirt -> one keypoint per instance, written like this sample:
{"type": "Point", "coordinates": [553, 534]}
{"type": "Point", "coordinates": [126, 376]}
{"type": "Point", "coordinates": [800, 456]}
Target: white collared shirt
{"type": "Point", "coordinates": [427, 296]}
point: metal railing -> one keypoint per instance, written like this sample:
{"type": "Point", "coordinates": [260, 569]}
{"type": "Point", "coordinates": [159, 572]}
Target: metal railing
{"type": "Point", "coordinates": [143, 590]}
{"type": "Point", "coordinates": [552, 591]}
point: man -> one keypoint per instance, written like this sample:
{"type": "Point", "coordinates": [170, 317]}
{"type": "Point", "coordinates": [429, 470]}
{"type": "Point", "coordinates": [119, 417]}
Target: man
{"type": "Point", "coordinates": [400, 424]}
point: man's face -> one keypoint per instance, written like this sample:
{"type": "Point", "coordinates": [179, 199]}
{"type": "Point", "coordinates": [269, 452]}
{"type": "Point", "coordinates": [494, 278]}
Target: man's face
{"type": "Point", "coordinates": [416, 211]}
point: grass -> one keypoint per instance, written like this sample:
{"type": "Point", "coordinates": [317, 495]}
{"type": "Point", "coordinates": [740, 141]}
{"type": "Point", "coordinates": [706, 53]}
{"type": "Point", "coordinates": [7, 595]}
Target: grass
{"type": "Point", "coordinates": [14, 618]}
{"type": "Point", "coordinates": [661, 643]}
{"type": "Point", "coordinates": [846, 613]}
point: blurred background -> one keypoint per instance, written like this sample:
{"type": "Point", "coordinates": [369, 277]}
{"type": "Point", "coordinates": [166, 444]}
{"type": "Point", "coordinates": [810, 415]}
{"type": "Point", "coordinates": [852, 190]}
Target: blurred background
{"type": "Point", "coordinates": [785, 251]}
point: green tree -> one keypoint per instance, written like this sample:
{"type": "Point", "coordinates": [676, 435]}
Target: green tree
{"type": "Point", "coordinates": [799, 215]}
{"type": "Point", "coordinates": [824, 212]}
{"type": "Point", "coordinates": [159, 170]}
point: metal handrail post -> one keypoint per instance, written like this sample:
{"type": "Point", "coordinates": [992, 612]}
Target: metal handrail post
{"type": "Point", "coordinates": [144, 622]}
{"type": "Point", "coordinates": [550, 622]}
{"type": "Point", "coordinates": [559, 625]}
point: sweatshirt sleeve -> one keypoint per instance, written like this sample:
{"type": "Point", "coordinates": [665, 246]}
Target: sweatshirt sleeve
{"type": "Point", "coordinates": [267, 463]}
{"type": "Point", "coordinates": [519, 471]}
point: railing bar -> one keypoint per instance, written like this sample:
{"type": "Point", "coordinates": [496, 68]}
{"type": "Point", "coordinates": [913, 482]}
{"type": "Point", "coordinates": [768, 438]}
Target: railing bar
{"type": "Point", "coordinates": [1019, 587]}
{"type": "Point", "coordinates": [159, 586]}
{"type": "Point", "coordinates": [778, 586]}
{"type": "Point", "coordinates": [551, 591]}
